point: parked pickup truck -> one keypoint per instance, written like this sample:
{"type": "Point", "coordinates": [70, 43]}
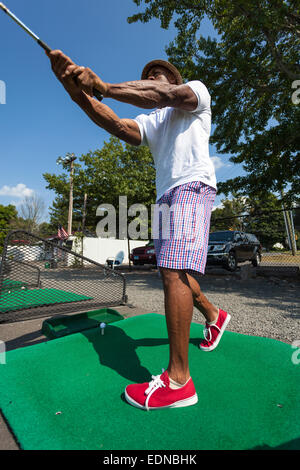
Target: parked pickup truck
{"type": "Point", "coordinates": [230, 247]}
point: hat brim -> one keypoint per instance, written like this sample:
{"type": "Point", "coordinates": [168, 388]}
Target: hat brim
{"type": "Point", "coordinates": [165, 64]}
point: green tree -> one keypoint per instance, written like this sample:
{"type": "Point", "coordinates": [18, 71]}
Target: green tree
{"type": "Point", "coordinates": [249, 71]}
{"type": "Point", "coordinates": [261, 216]}
{"type": "Point", "coordinates": [225, 217]}
{"type": "Point", "coordinates": [8, 214]}
{"type": "Point", "coordinates": [45, 230]}
{"type": "Point", "coordinates": [19, 224]}
{"type": "Point", "coordinates": [104, 175]}
{"type": "Point", "coordinates": [266, 220]}
{"type": "Point", "coordinates": [296, 213]}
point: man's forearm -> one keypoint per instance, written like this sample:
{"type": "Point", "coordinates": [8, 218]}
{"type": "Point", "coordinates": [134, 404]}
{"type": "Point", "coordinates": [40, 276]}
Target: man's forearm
{"type": "Point", "coordinates": [101, 114]}
{"type": "Point", "coordinates": [146, 94]}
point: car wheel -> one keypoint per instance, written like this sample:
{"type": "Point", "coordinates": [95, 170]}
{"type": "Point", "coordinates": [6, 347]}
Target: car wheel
{"type": "Point", "coordinates": [231, 262]}
{"type": "Point", "coordinates": [256, 260]}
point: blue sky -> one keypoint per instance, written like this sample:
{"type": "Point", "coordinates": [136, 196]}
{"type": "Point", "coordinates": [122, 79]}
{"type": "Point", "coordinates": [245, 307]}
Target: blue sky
{"type": "Point", "coordinates": [39, 122]}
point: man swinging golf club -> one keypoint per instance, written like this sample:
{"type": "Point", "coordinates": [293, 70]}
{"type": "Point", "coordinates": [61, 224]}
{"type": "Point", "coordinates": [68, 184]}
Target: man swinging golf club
{"type": "Point", "coordinates": [177, 134]}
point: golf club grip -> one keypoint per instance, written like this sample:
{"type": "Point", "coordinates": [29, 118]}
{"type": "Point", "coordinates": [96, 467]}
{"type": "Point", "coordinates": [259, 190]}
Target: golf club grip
{"type": "Point", "coordinates": [97, 94]}
{"type": "Point", "coordinates": [45, 46]}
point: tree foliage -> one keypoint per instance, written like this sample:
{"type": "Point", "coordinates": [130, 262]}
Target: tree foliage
{"type": "Point", "coordinates": [104, 174]}
{"type": "Point", "coordinates": [249, 71]}
{"type": "Point", "coordinates": [261, 216]}
{"type": "Point", "coordinates": [8, 214]}
{"type": "Point", "coordinates": [226, 217]}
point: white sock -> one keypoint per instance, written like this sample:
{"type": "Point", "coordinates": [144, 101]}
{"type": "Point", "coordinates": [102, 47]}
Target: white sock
{"type": "Point", "coordinates": [214, 322]}
{"type": "Point", "coordinates": [174, 385]}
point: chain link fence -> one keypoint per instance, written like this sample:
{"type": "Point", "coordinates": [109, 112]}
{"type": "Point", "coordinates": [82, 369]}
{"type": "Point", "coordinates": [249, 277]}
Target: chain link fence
{"type": "Point", "coordinates": [41, 278]}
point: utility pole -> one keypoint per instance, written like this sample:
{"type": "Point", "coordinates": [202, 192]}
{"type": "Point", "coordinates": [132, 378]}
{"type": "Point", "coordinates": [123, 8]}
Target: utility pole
{"type": "Point", "coordinates": [70, 216]}
{"type": "Point", "coordinates": [69, 161]}
{"type": "Point", "coordinates": [84, 211]}
{"type": "Point", "coordinates": [83, 221]}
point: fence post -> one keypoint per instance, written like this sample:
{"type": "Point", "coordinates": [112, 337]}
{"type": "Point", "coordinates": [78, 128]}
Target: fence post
{"type": "Point", "coordinates": [2, 353]}
{"type": "Point", "coordinates": [288, 219]}
{"type": "Point", "coordinates": [294, 245]}
{"type": "Point", "coordinates": [128, 247]}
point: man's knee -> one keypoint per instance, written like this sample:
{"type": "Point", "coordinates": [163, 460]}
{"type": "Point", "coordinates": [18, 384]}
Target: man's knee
{"type": "Point", "coordinates": [170, 276]}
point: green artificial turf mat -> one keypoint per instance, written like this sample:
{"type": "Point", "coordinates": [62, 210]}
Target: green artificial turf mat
{"type": "Point", "coordinates": [11, 284]}
{"type": "Point", "coordinates": [61, 326]}
{"type": "Point", "coordinates": [67, 393]}
{"type": "Point", "coordinates": [21, 299]}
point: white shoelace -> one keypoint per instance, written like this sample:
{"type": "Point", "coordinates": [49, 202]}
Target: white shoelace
{"type": "Point", "coordinates": [153, 386]}
{"type": "Point", "coordinates": [207, 330]}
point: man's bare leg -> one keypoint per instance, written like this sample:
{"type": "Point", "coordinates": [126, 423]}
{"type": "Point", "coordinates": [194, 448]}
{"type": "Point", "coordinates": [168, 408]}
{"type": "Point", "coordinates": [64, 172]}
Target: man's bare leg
{"type": "Point", "coordinates": [209, 310]}
{"type": "Point", "coordinates": [179, 313]}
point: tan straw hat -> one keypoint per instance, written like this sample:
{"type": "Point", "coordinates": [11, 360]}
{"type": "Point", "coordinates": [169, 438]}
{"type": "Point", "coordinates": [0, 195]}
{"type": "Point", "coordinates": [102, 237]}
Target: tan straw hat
{"type": "Point", "coordinates": [162, 63]}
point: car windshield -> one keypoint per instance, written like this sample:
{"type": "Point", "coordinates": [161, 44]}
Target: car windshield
{"type": "Point", "coordinates": [221, 236]}
{"type": "Point", "coordinates": [251, 238]}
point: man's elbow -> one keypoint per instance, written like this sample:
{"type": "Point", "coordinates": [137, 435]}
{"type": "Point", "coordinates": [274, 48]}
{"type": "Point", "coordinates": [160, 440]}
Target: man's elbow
{"type": "Point", "coordinates": [183, 97]}
{"type": "Point", "coordinates": [131, 137]}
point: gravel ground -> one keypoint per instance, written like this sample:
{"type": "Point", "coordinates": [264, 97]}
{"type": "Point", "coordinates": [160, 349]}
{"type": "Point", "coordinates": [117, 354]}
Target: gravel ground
{"type": "Point", "coordinates": [267, 307]}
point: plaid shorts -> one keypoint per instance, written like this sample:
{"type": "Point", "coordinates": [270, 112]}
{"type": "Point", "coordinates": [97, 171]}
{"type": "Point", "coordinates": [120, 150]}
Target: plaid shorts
{"type": "Point", "coordinates": [181, 227]}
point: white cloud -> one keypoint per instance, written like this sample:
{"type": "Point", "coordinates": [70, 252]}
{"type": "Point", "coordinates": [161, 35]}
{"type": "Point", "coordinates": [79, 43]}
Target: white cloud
{"type": "Point", "coordinates": [218, 163]}
{"type": "Point", "coordinates": [19, 191]}
{"type": "Point", "coordinates": [16, 203]}
{"type": "Point", "coordinates": [219, 206]}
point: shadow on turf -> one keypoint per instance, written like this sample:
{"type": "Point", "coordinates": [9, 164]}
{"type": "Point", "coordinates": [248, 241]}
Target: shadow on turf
{"type": "Point", "coordinates": [29, 339]}
{"type": "Point", "coordinates": [118, 351]}
{"type": "Point", "coordinates": [290, 445]}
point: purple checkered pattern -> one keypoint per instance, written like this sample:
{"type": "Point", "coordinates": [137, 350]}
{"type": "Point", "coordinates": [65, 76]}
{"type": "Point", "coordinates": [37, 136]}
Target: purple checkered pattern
{"type": "Point", "coordinates": [181, 226]}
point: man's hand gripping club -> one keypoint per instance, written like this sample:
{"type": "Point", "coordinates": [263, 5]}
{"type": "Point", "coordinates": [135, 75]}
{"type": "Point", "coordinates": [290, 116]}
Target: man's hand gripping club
{"type": "Point", "coordinates": [75, 79]}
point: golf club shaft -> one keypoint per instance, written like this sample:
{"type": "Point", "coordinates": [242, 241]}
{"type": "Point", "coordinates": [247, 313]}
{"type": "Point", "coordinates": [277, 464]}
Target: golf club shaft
{"type": "Point", "coordinates": [96, 93]}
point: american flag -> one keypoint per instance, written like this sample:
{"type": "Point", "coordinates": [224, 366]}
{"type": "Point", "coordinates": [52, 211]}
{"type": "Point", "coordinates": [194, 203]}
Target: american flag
{"type": "Point", "coordinates": [61, 233]}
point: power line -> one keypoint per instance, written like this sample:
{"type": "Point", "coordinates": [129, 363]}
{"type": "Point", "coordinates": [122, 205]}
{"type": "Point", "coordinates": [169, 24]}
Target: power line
{"type": "Point", "coordinates": [257, 214]}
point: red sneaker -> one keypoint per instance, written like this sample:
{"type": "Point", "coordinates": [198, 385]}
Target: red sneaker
{"type": "Point", "coordinates": [158, 394]}
{"type": "Point", "coordinates": [213, 333]}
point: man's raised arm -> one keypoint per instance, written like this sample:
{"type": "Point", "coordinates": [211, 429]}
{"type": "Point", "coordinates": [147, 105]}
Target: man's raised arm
{"type": "Point", "coordinates": [147, 94]}
{"type": "Point", "coordinates": [102, 115]}
{"type": "Point", "coordinates": [151, 94]}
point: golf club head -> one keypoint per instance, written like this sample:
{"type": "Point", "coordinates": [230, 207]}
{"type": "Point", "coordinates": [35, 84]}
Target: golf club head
{"type": "Point", "coordinates": [3, 7]}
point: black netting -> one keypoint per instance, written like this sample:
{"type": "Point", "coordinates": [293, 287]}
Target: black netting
{"type": "Point", "coordinates": [41, 278]}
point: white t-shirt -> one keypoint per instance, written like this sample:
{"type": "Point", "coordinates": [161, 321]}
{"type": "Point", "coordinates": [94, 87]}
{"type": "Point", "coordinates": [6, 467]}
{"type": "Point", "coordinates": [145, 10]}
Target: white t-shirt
{"type": "Point", "coordinates": [179, 142]}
